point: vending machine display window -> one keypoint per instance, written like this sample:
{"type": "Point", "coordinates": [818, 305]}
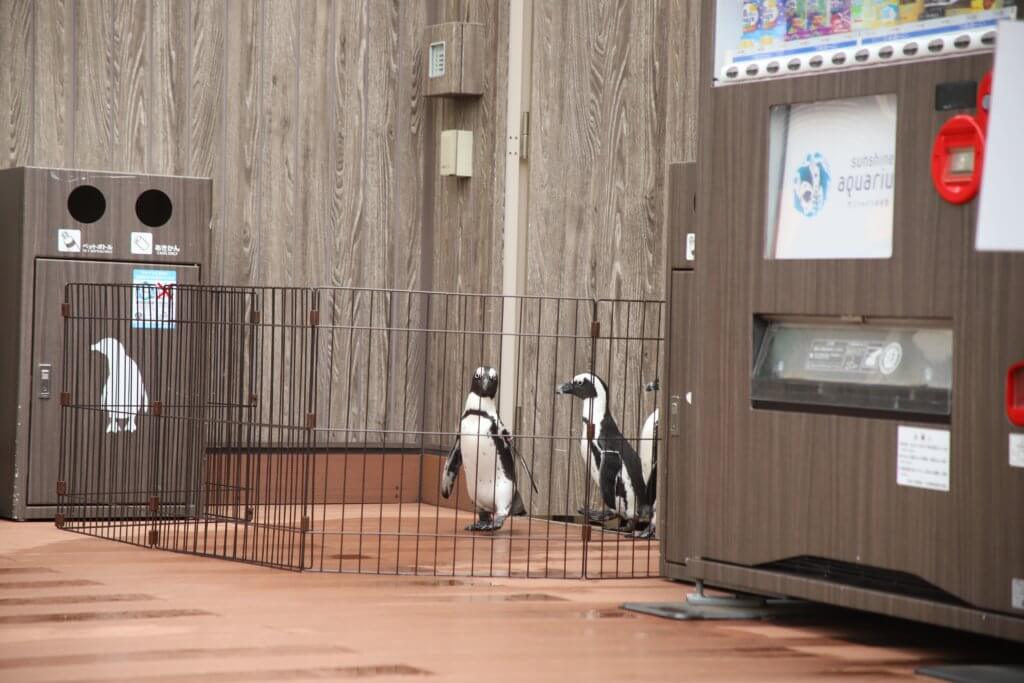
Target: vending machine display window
{"type": "Point", "coordinates": [756, 39]}
{"type": "Point", "coordinates": [884, 368]}
{"type": "Point", "coordinates": [831, 179]}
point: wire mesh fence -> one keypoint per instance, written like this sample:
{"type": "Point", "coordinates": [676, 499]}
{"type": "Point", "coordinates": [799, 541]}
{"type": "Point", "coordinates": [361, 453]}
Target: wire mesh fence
{"type": "Point", "coordinates": [364, 430]}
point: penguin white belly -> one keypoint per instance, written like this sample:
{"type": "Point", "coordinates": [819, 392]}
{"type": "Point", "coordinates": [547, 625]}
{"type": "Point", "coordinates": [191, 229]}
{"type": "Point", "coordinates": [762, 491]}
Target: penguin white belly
{"type": "Point", "coordinates": [626, 505]}
{"type": "Point", "coordinates": [588, 457]}
{"type": "Point", "coordinates": [646, 450]}
{"type": "Point", "coordinates": [489, 488]}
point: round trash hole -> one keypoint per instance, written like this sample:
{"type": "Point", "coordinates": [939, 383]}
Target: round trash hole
{"type": "Point", "coordinates": [153, 208]}
{"type": "Point", "coordinates": [86, 204]}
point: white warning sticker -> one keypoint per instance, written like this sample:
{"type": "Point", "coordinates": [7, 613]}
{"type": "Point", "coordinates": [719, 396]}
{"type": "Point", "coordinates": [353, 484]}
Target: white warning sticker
{"type": "Point", "coordinates": [153, 304]}
{"type": "Point", "coordinates": [142, 243]}
{"type": "Point", "coordinates": [69, 240]}
{"type": "Point", "coordinates": [922, 458]}
{"type": "Point", "coordinates": [1017, 593]}
{"type": "Point", "coordinates": [1016, 450]}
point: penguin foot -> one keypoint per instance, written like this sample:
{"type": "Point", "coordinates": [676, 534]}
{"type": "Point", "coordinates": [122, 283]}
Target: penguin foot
{"type": "Point", "coordinates": [592, 515]}
{"type": "Point", "coordinates": [647, 532]}
{"type": "Point", "coordinates": [487, 523]}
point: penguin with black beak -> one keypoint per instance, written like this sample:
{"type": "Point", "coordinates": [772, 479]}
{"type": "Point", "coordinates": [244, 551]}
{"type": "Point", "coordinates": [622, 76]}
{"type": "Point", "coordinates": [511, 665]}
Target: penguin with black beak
{"type": "Point", "coordinates": [613, 463]}
{"type": "Point", "coordinates": [485, 448]}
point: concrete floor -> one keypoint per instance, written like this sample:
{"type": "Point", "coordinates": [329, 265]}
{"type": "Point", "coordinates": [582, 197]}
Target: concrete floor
{"type": "Point", "coordinates": [81, 609]}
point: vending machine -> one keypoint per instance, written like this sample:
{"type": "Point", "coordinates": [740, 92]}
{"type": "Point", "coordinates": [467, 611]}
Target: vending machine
{"type": "Point", "coordinates": [840, 355]}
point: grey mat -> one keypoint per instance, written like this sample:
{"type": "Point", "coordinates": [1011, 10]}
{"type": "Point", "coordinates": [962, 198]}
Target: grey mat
{"type": "Point", "coordinates": [974, 673]}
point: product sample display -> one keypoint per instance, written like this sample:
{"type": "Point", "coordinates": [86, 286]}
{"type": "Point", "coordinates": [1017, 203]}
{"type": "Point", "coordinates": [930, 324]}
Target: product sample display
{"type": "Point", "coordinates": [758, 39]}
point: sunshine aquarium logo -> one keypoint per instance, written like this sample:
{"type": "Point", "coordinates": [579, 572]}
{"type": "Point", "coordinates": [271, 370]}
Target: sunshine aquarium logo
{"type": "Point", "coordinates": [810, 185]}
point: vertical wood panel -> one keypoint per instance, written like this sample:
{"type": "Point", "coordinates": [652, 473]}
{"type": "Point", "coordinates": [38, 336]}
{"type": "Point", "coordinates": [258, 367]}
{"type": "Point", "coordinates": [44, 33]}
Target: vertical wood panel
{"type": "Point", "coordinates": [244, 48]}
{"type": "Point", "coordinates": [53, 83]}
{"type": "Point", "coordinates": [129, 62]}
{"type": "Point", "coordinates": [168, 132]}
{"type": "Point", "coordinates": [314, 179]}
{"type": "Point", "coordinates": [280, 259]}
{"type": "Point", "coordinates": [16, 54]}
{"type": "Point", "coordinates": [407, 362]}
{"type": "Point", "coordinates": [598, 145]}
{"type": "Point", "coordinates": [207, 127]}
{"type": "Point", "coordinates": [90, 111]}
{"type": "Point", "coordinates": [683, 78]}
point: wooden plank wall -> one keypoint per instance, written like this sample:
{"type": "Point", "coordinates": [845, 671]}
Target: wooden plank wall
{"type": "Point", "coordinates": [310, 118]}
{"type": "Point", "coordinates": [610, 108]}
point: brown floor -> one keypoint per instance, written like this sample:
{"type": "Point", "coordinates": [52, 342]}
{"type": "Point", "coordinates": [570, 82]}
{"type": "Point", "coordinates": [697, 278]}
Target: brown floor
{"type": "Point", "coordinates": [79, 609]}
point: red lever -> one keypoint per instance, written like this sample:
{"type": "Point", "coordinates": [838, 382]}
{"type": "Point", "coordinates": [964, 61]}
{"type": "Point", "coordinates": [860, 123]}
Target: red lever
{"type": "Point", "coordinates": [1015, 394]}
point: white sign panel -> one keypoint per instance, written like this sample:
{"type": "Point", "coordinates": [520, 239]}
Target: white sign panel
{"type": "Point", "coordinates": [153, 304]}
{"type": "Point", "coordinates": [832, 179]}
{"type": "Point", "coordinates": [1016, 450]}
{"type": "Point", "coordinates": [69, 240]}
{"type": "Point", "coordinates": [142, 243]}
{"type": "Point", "coordinates": [999, 224]}
{"type": "Point", "coordinates": [922, 458]}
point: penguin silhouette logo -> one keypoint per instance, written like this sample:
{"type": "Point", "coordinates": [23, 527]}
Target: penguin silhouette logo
{"type": "Point", "coordinates": [124, 395]}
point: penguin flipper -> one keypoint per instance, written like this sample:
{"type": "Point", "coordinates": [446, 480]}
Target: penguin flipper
{"type": "Point", "coordinates": [452, 465]}
{"type": "Point", "coordinates": [512, 447]}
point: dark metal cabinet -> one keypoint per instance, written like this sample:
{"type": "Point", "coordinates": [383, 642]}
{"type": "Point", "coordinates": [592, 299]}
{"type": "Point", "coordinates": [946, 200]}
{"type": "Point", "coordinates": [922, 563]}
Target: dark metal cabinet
{"type": "Point", "coordinates": [121, 228]}
{"type": "Point", "coordinates": [805, 502]}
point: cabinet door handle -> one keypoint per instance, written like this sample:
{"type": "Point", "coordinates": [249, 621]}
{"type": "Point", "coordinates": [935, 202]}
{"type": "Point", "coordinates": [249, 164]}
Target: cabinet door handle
{"type": "Point", "coordinates": [673, 416]}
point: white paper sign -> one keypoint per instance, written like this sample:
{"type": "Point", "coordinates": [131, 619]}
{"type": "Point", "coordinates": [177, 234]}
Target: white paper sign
{"type": "Point", "coordinates": [1017, 593]}
{"type": "Point", "coordinates": [1016, 450]}
{"type": "Point", "coordinates": [834, 196]}
{"type": "Point", "coordinates": [999, 224]}
{"type": "Point", "coordinates": [153, 304]}
{"type": "Point", "coordinates": [922, 458]}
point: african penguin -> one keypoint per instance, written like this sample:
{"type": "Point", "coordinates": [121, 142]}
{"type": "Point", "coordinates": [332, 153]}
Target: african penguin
{"type": "Point", "coordinates": [648, 451]}
{"type": "Point", "coordinates": [484, 447]}
{"type": "Point", "coordinates": [614, 465]}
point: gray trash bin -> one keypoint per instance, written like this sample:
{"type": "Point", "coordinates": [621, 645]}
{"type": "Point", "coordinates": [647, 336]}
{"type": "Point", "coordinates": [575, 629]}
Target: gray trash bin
{"type": "Point", "coordinates": [64, 226]}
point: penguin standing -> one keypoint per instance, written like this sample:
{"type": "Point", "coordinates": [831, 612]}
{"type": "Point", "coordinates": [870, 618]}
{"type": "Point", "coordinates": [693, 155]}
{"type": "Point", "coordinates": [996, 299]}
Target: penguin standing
{"type": "Point", "coordinates": [648, 452]}
{"type": "Point", "coordinates": [484, 447]}
{"type": "Point", "coordinates": [614, 465]}
{"type": "Point", "coordinates": [124, 395]}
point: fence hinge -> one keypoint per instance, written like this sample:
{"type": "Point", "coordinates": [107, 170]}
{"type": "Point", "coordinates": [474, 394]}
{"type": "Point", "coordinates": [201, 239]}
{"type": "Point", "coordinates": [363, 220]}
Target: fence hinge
{"type": "Point", "coordinates": [590, 431]}
{"type": "Point", "coordinates": [585, 533]}
{"type": "Point", "coordinates": [314, 317]}
{"type": "Point", "coordinates": [154, 503]}
{"type": "Point", "coordinates": [58, 520]}
{"type": "Point", "coordinates": [62, 488]}
{"type": "Point", "coordinates": [65, 398]}
{"type": "Point", "coordinates": [310, 420]}
{"type": "Point", "coordinates": [595, 328]}
{"type": "Point", "coordinates": [253, 398]}
{"type": "Point", "coordinates": [304, 524]}
{"type": "Point", "coordinates": [254, 317]}
{"type": "Point", "coordinates": [65, 310]}
{"type": "Point", "coordinates": [524, 135]}
{"type": "Point", "coordinates": [156, 408]}
{"type": "Point", "coordinates": [154, 537]}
